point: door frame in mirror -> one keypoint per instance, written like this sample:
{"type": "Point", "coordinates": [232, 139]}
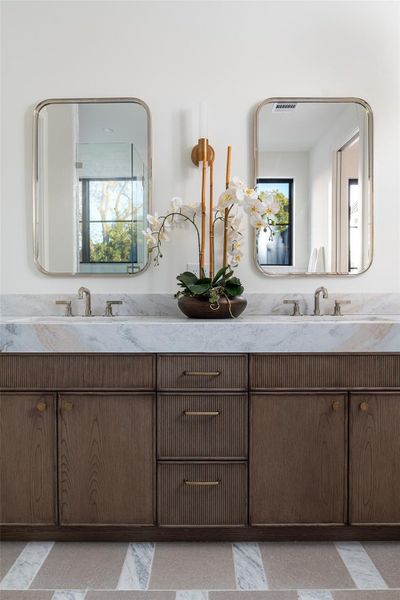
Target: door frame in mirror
{"type": "Point", "coordinates": [35, 176]}
{"type": "Point", "coordinates": [371, 203]}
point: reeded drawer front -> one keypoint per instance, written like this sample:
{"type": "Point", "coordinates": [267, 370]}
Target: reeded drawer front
{"type": "Point", "coordinates": [77, 371]}
{"type": "Point", "coordinates": [202, 371]}
{"type": "Point", "coordinates": [202, 426]}
{"type": "Point", "coordinates": [199, 494]}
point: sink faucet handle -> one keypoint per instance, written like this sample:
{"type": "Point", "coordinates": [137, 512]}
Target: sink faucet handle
{"type": "Point", "coordinates": [109, 304]}
{"type": "Point", "coordinates": [68, 306]}
{"type": "Point", "coordinates": [296, 307]}
{"type": "Point", "coordinates": [337, 312]}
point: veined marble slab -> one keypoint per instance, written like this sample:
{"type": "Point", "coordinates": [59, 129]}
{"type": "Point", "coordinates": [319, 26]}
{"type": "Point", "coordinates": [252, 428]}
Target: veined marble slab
{"type": "Point", "coordinates": [178, 334]}
{"type": "Point", "coordinates": [164, 305]}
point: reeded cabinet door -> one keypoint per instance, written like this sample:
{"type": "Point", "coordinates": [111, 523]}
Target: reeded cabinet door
{"type": "Point", "coordinates": [375, 458]}
{"type": "Point", "coordinates": [297, 458]}
{"type": "Point", "coordinates": [106, 459]}
{"type": "Point", "coordinates": [28, 451]}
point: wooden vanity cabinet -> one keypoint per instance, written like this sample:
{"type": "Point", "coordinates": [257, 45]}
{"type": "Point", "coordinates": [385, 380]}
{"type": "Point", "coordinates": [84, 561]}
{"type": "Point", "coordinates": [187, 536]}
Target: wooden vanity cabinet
{"type": "Point", "coordinates": [184, 447]}
{"type": "Point", "coordinates": [298, 458]}
{"type": "Point", "coordinates": [375, 458]}
{"type": "Point", "coordinates": [106, 459]}
{"type": "Point", "coordinates": [28, 458]}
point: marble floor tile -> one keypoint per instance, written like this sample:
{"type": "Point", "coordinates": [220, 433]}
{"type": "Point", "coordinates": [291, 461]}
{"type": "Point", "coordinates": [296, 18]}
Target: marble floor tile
{"type": "Point", "coordinates": [386, 558]}
{"type": "Point", "coordinates": [136, 570]}
{"type": "Point", "coordinates": [124, 595]}
{"type": "Point", "coordinates": [249, 569]}
{"type": "Point", "coordinates": [82, 565]}
{"type": "Point", "coordinates": [253, 595]}
{"type": "Point", "coordinates": [363, 571]}
{"type": "Point", "coordinates": [191, 595]}
{"type": "Point", "coordinates": [26, 595]}
{"type": "Point", "coordinates": [366, 595]}
{"type": "Point", "coordinates": [304, 565]}
{"type": "Point", "coordinates": [69, 595]}
{"type": "Point", "coordinates": [193, 566]}
{"type": "Point", "coordinates": [314, 595]}
{"type": "Point", "coordinates": [9, 552]}
{"type": "Point", "coordinates": [27, 565]}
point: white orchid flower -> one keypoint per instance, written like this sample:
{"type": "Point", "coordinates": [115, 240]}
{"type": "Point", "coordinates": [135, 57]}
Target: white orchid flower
{"type": "Point", "coordinates": [226, 199]}
{"type": "Point", "coordinates": [149, 237]}
{"type": "Point", "coordinates": [235, 258]}
{"type": "Point", "coordinates": [237, 184]}
{"type": "Point", "coordinates": [250, 194]}
{"type": "Point", "coordinates": [190, 209]}
{"type": "Point", "coordinates": [257, 221]}
{"type": "Point", "coordinates": [176, 203]}
{"type": "Point", "coordinates": [154, 221]}
{"type": "Point", "coordinates": [254, 207]}
{"type": "Point", "coordinates": [271, 207]}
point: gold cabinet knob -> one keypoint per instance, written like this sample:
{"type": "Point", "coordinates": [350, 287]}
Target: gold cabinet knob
{"type": "Point", "coordinates": [364, 406]}
{"type": "Point", "coordinates": [41, 406]}
{"type": "Point", "coordinates": [68, 406]}
{"type": "Point", "coordinates": [336, 405]}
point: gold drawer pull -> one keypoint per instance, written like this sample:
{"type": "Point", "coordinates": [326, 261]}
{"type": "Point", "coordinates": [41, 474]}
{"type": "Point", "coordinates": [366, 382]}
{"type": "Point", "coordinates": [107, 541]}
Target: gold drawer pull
{"type": "Point", "coordinates": [187, 482]}
{"type": "Point", "coordinates": [364, 406]}
{"type": "Point", "coordinates": [68, 406]}
{"type": "Point", "coordinates": [201, 413]}
{"type": "Point", "coordinates": [336, 405]}
{"type": "Point", "coordinates": [41, 406]}
{"type": "Point", "coordinates": [202, 373]}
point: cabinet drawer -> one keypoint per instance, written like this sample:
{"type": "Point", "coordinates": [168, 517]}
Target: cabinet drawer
{"type": "Point", "coordinates": [202, 426]}
{"type": "Point", "coordinates": [202, 494]}
{"type": "Point", "coordinates": [202, 371]}
{"type": "Point", "coordinates": [77, 371]}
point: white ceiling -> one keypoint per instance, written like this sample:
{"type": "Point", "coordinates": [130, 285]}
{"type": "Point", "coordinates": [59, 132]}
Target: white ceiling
{"type": "Point", "coordinates": [300, 130]}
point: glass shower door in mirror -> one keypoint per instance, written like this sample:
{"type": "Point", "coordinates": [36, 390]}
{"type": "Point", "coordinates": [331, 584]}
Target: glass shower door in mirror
{"type": "Point", "coordinates": [315, 157]}
{"type": "Point", "coordinates": [92, 177]}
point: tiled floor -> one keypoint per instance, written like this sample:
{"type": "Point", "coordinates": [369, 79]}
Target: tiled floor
{"type": "Point", "coordinates": [194, 571]}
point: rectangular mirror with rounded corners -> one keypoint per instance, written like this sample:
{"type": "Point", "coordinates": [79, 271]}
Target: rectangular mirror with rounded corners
{"type": "Point", "coordinates": [314, 155]}
{"type": "Point", "coordinates": [91, 186]}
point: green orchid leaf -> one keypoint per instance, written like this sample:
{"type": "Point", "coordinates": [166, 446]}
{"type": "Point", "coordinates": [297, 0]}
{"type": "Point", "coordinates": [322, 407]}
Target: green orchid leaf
{"type": "Point", "coordinates": [223, 272]}
{"type": "Point", "coordinates": [187, 278]}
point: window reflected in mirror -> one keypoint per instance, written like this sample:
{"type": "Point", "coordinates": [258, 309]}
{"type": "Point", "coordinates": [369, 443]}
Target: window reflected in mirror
{"type": "Point", "coordinates": [92, 186]}
{"type": "Point", "coordinates": [315, 156]}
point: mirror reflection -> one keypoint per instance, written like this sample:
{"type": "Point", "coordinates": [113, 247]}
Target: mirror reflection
{"type": "Point", "coordinates": [91, 186]}
{"type": "Point", "coordinates": [315, 156]}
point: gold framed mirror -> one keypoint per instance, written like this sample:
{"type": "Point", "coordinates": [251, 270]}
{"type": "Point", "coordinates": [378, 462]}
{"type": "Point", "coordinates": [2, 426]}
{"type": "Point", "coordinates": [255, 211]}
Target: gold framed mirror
{"type": "Point", "coordinates": [315, 155]}
{"type": "Point", "coordinates": [91, 186]}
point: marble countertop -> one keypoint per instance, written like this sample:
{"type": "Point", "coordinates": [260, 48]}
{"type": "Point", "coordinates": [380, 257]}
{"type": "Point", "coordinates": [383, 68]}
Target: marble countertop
{"type": "Point", "coordinates": [269, 333]}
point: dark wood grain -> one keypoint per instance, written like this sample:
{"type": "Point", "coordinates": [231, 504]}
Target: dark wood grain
{"type": "Point", "coordinates": [202, 534]}
{"type": "Point", "coordinates": [375, 458]}
{"type": "Point", "coordinates": [28, 450]}
{"type": "Point", "coordinates": [77, 371]}
{"type": "Point", "coordinates": [219, 436]}
{"type": "Point", "coordinates": [222, 504]}
{"type": "Point", "coordinates": [297, 458]}
{"type": "Point", "coordinates": [173, 372]}
{"type": "Point", "coordinates": [334, 371]}
{"type": "Point", "coordinates": [106, 458]}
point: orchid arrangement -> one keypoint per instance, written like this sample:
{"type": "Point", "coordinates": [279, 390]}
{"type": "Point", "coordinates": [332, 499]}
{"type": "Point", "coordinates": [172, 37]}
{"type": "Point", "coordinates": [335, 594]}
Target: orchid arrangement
{"type": "Point", "coordinates": [264, 210]}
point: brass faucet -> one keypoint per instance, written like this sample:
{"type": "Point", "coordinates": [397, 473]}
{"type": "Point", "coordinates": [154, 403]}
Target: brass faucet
{"type": "Point", "coordinates": [317, 293]}
{"type": "Point", "coordinates": [85, 292]}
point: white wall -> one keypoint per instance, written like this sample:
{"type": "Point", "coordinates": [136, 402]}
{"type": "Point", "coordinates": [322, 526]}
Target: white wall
{"type": "Point", "coordinates": [172, 55]}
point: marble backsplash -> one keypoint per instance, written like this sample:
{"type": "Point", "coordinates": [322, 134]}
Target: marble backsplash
{"type": "Point", "coordinates": [164, 305]}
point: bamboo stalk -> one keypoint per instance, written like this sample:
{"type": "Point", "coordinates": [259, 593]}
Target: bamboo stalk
{"type": "Point", "coordinates": [203, 143]}
{"type": "Point", "coordinates": [226, 214]}
{"type": "Point", "coordinates": [210, 222]}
